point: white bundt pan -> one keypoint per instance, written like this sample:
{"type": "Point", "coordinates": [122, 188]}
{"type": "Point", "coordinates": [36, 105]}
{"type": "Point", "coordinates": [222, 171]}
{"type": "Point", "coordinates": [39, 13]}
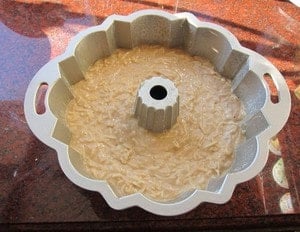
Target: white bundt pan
{"type": "Point", "coordinates": [246, 68]}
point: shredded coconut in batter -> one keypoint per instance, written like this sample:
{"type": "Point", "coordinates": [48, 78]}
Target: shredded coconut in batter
{"type": "Point", "coordinates": [131, 159]}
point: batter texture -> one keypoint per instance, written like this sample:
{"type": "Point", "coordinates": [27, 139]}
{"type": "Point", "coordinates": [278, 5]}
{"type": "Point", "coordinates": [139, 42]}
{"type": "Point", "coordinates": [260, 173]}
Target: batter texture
{"type": "Point", "coordinates": [162, 166]}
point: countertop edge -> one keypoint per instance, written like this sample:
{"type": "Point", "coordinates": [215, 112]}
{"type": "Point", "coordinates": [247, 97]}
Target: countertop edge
{"type": "Point", "coordinates": [289, 222]}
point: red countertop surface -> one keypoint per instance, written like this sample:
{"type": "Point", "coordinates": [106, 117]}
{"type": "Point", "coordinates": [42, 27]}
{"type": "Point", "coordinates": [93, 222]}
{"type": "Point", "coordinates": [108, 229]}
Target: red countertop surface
{"type": "Point", "coordinates": [34, 192]}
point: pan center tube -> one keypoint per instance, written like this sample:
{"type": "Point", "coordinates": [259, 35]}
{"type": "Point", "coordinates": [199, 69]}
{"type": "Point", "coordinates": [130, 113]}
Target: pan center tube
{"type": "Point", "coordinates": [157, 104]}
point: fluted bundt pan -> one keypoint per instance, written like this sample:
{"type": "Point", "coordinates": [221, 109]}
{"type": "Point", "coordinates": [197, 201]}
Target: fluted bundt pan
{"type": "Point", "coordinates": [246, 69]}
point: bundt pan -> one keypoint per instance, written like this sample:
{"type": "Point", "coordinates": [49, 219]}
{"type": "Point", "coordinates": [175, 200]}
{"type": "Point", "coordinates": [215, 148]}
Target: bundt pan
{"type": "Point", "coordinates": [246, 69]}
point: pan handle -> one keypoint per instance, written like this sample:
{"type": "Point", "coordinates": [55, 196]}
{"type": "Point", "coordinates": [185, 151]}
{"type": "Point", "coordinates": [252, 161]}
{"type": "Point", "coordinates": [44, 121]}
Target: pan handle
{"type": "Point", "coordinates": [278, 113]}
{"type": "Point", "coordinates": [41, 124]}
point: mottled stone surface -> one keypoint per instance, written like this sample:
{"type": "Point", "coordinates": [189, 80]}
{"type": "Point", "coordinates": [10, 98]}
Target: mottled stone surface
{"type": "Point", "coordinates": [33, 188]}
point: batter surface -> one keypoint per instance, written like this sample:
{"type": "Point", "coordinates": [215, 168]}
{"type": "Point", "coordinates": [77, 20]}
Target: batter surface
{"type": "Point", "coordinates": [161, 166]}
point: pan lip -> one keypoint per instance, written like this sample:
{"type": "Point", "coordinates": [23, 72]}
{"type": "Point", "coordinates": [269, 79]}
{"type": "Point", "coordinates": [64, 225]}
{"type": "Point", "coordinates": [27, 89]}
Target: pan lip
{"type": "Point", "coordinates": [196, 197]}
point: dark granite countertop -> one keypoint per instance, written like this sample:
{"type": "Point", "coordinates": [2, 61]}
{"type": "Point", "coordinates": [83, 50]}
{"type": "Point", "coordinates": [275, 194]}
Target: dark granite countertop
{"type": "Point", "coordinates": [34, 192]}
